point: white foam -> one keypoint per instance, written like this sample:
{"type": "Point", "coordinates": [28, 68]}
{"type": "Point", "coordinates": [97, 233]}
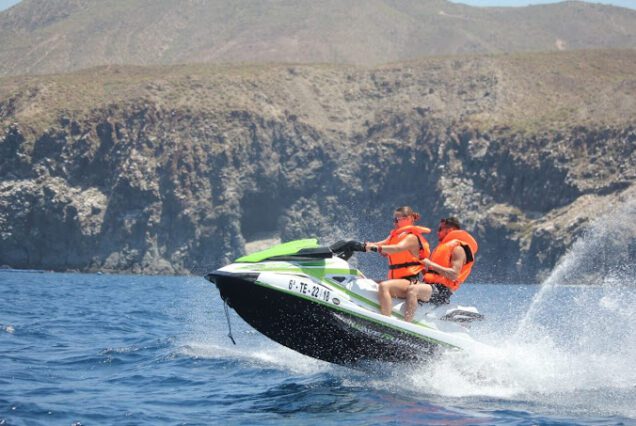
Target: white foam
{"type": "Point", "coordinates": [277, 357]}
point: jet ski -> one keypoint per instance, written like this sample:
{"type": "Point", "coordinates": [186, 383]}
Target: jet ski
{"type": "Point", "coordinates": [309, 298]}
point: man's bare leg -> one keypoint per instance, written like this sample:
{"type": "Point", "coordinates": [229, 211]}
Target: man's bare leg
{"type": "Point", "coordinates": [414, 293]}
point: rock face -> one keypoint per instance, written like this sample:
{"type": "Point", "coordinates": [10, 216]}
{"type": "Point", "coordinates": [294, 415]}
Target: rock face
{"type": "Point", "coordinates": [171, 170]}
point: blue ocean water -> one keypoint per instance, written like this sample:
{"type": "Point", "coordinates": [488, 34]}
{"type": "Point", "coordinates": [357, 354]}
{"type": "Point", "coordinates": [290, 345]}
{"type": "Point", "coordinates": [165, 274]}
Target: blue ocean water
{"type": "Point", "coordinates": [101, 349]}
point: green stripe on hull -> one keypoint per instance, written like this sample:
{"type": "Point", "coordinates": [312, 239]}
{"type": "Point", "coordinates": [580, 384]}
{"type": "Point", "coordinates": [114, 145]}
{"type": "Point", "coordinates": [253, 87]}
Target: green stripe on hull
{"type": "Point", "coordinates": [309, 269]}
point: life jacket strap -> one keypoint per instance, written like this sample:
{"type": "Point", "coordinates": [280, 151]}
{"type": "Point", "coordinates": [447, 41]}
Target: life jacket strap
{"type": "Point", "coordinates": [469, 253]}
{"type": "Point", "coordinates": [404, 265]}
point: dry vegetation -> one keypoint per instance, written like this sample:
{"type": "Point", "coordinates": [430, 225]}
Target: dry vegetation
{"type": "Point", "coordinates": [527, 92]}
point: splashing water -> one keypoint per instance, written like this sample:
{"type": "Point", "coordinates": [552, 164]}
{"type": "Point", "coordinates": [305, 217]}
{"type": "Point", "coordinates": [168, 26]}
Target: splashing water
{"type": "Point", "coordinates": [604, 253]}
{"type": "Point", "coordinates": [574, 349]}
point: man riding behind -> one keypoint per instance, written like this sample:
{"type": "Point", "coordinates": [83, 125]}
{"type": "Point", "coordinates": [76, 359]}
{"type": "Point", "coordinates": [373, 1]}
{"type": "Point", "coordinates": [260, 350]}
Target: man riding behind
{"type": "Point", "coordinates": [448, 267]}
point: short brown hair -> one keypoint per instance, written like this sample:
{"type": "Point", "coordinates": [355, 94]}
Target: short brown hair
{"type": "Point", "coordinates": [451, 222]}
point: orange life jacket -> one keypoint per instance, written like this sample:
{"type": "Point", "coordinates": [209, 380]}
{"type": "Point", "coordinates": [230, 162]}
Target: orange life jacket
{"type": "Point", "coordinates": [404, 264]}
{"type": "Point", "coordinates": [442, 256]}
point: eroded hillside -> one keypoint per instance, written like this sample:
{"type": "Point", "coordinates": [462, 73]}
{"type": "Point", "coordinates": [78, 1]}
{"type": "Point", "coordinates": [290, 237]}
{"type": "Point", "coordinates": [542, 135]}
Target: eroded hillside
{"type": "Point", "coordinates": [173, 169]}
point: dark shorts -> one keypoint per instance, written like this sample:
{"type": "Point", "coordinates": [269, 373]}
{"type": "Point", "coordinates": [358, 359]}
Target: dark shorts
{"type": "Point", "coordinates": [413, 279]}
{"type": "Point", "coordinates": [441, 294]}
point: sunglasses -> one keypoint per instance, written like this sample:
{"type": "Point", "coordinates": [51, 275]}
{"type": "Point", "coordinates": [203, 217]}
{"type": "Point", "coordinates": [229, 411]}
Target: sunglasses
{"type": "Point", "coordinates": [397, 219]}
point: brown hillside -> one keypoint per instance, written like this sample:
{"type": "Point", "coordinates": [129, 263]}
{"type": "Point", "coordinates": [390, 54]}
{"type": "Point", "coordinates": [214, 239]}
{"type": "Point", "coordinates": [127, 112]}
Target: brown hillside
{"type": "Point", "coordinates": [41, 36]}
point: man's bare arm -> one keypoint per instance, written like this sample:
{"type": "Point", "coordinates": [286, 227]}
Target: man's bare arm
{"type": "Point", "coordinates": [458, 260]}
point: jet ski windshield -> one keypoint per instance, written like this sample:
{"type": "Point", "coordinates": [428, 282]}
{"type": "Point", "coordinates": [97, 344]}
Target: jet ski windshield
{"type": "Point", "coordinates": [306, 254]}
{"type": "Point", "coordinates": [304, 250]}
{"type": "Point", "coordinates": [307, 249]}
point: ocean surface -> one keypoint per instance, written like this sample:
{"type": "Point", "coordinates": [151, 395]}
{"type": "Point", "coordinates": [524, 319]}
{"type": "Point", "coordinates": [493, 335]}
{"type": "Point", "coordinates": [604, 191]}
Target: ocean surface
{"type": "Point", "coordinates": [102, 349]}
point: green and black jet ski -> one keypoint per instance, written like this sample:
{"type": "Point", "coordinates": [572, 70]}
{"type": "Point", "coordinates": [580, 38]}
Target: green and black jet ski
{"type": "Point", "coordinates": [309, 298]}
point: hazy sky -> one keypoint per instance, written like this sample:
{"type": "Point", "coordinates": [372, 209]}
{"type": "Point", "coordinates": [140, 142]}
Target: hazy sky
{"type": "Point", "coordinates": [6, 3]}
{"type": "Point", "coordinates": [625, 3]}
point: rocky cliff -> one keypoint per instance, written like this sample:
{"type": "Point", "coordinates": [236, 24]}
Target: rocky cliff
{"type": "Point", "coordinates": [175, 169]}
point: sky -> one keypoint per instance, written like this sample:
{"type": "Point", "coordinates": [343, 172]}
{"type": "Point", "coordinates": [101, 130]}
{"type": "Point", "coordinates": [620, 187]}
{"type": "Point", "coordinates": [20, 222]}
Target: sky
{"type": "Point", "coordinates": [624, 3]}
{"type": "Point", "coordinates": [4, 4]}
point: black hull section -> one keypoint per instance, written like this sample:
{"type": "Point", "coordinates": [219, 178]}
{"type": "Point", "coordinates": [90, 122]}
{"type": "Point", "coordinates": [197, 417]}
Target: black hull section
{"type": "Point", "coordinates": [317, 330]}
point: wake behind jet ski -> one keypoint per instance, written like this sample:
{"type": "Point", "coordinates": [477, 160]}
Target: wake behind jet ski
{"type": "Point", "coordinates": [307, 297]}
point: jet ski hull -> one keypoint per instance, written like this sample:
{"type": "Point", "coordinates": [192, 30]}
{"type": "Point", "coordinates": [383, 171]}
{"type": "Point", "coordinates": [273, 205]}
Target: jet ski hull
{"type": "Point", "coordinates": [314, 329]}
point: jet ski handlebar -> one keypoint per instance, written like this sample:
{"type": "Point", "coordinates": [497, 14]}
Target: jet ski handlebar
{"type": "Point", "coordinates": [344, 249]}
